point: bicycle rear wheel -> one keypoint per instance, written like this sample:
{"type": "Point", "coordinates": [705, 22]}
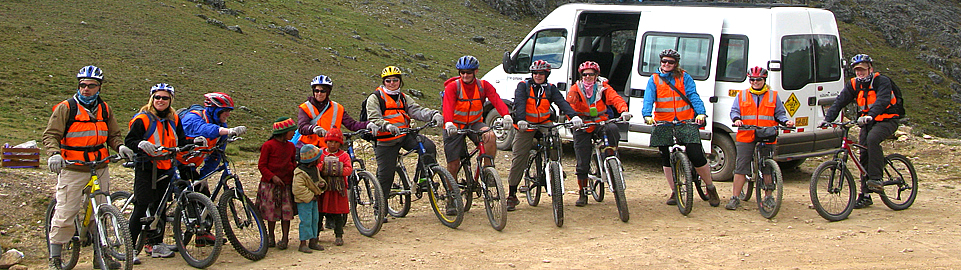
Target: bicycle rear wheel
{"type": "Point", "coordinates": [367, 205]}
{"type": "Point", "coordinates": [495, 200]}
{"type": "Point", "coordinates": [900, 182]}
{"type": "Point", "coordinates": [697, 184]}
{"type": "Point", "coordinates": [467, 185]}
{"type": "Point", "coordinates": [618, 185]}
{"type": "Point", "coordinates": [398, 197]}
{"type": "Point", "coordinates": [445, 197]}
{"type": "Point", "coordinates": [557, 191]}
{"type": "Point", "coordinates": [116, 232]}
{"type": "Point", "coordinates": [832, 191]}
{"type": "Point", "coordinates": [197, 230]}
{"type": "Point", "coordinates": [120, 200]}
{"type": "Point", "coordinates": [747, 189]}
{"type": "Point", "coordinates": [243, 225]}
{"type": "Point", "coordinates": [534, 179]}
{"type": "Point", "coordinates": [70, 253]}
{"type": "Point", "coordinates": [683, 185]}
{"type": "Point", "coordinates": [597, 185]}
{"type": "Point", "coordinates": [769, 207]}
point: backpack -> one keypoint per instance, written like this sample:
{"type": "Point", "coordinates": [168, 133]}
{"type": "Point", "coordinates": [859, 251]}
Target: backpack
{"type": "Point", "coordinates": [899, 105]}
{"type": "Point", "coordinates": [183, 111]}
{"type": "Point", "coordinates": [383, 105]}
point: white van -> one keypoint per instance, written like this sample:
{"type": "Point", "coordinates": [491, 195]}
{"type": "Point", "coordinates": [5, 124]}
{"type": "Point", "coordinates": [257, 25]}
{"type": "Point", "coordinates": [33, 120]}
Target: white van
{"type": "Point", "coordinates": [717, 43]}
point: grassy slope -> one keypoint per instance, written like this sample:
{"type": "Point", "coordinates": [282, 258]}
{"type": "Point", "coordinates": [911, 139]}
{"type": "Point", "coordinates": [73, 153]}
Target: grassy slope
{"type": "Point", "coordinates": [142, 42]}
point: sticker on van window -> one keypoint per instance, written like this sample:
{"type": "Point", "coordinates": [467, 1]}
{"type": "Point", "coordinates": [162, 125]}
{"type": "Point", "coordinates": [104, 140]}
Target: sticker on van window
{"type": "Point", "coordinates": [792, 104]}
{"type": "Point", "coordinates": [801, 121]}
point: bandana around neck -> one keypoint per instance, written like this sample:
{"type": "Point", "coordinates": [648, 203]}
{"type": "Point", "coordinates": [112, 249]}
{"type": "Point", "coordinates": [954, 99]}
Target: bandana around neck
{"type": "Point", "coordinates": [759, 91]}
{"type": "Point", "coordinates": [85, 99]}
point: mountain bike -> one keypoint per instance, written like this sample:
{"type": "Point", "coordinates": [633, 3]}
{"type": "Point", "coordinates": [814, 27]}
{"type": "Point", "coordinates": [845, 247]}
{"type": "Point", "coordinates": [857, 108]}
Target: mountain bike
{"type": "Point", "coordinates": [484, 182]}
{"type": "Point", "coordinates": [545, 169]}
{"type": "Point", "coordinates": [833, 189]}
{"type": "Point", "coordinates": [107, 232]}
{"type": "Point", "coordinates": [367, 205]}
{"type": "Point", "coordinates": [764, 167]}
{"type": "Point", "coordinates": [611, 174]}
{"type": "Point", "coordinates": [444, 195]}
{"type": "Point", "coordinates": [681, 169]}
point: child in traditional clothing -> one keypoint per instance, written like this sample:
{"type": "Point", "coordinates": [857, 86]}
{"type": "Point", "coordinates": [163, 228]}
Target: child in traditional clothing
{"type": "Point", "coordinates": [334, 168]}
{"type": "Point", "coordinates": [278, 156]}
{"type": "Point", "coordinates": [307, 186]}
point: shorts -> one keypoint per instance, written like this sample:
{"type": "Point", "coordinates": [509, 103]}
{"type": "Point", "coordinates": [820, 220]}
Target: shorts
{"type": "Point", "coordinates": [456, 146]}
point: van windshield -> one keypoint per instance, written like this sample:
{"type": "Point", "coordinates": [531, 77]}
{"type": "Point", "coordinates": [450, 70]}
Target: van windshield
{"type": "Point", "coordinates": [695, 52]}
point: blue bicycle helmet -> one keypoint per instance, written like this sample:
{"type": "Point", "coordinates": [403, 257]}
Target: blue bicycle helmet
{"type": "Point", "coordinates": [857, 59]}
{"type": "Point", "coordinates": [163, 87]}
{"type": "Point", "coordinates": [90, 72]}
{"type": "Point", "coordinates": [467, 62]}
{"type": "Point", "coordinates": [321, 80]}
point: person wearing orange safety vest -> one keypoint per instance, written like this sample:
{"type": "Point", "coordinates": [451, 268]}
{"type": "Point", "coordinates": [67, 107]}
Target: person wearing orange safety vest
{"type": "Point", "coordinates": [879, 111]}
{"type": "Point", "coordinates": [156, 125]}
{"type": "Point", "coordinates": [463, 107]}
{"type": "Point", "coordinates": [590, 98]}
{"type": "Point", "coordinates": [532, 105]}
{"type": "Point", "coordinates": [678, 103]}
{"type": "Point", "coordinates": [389, 110]}
{"type": "Point", "coordinates": [80, 128]}
{"type": "Point", "coordinates": [760, 106]}
{"type": "Point", "coordinates": [319, 114]}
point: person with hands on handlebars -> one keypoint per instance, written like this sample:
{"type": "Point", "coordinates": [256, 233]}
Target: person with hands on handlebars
{"type": "Point", "coordinates": [590, 97]}
{"type": "Point", "coordinates": [672, 96]}
{"type": "Point", "coordinates": [210, 124]}
{"type": "Point", "coordinates": [388, 110]}
{"type": "Point", "coordinates": [319, 114]}
{"type": "Point", "coordinates": [760, 106]}
{"type": "Point", "coordinates": [878, 112]}
{"type": "Point", "coordinates": [532, 105]}
{"type": "Point", "coordinates": [77, 130]}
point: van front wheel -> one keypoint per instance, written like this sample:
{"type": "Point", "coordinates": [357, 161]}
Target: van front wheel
{"type": "Point", "coordinates": [505, 135]}
{"type": "Point", "coordinates": [722, 157]}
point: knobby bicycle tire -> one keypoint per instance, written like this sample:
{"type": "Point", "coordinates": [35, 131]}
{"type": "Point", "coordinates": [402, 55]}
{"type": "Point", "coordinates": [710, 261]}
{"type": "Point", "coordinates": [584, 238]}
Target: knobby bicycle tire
{"type": "Point", "coordinates": [70, 253]}
{"type": "Point", "coordinates": [534, 178]}
{"type": "Point", "coordinates": [834, 183]}
{"type": "Point", "coordinates": [597, 184]}
{"type": "Point", "coordinates": [116, 230]}
{"type": "Point", "coordinates": [618, 185]}
{"type": "Point", "coordinates": [557, 191]}
{"type": "Point", "coordinates": [495, 199]}
{"type": "Point", "coordinates": [697, 184]}
{"type": "Point", "coordinates": [467, 185]}
{"type": "Point", "coordinates": [899, 176]}
{"type": "Point", "coordinates": [776, 187]}
{"type": "Point", "coordinates": [398, 197]}
{"type": "Point", "coordinates": [367, 205]}
{"type": "Point", "coordinates": [245, 220]}
{"type": "Point", "coordinates": [203, 217]}
{"type": "Point", "coordinates": [119, 199]}
{"type": "Point", "coordinates": [445, 195]}
{"type": "Point", "coordinates": [683, 184]}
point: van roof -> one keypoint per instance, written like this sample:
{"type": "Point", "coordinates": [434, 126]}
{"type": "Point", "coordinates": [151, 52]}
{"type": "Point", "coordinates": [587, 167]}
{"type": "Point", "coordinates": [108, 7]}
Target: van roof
{"type": "Point", "coordinates": [726, 3]}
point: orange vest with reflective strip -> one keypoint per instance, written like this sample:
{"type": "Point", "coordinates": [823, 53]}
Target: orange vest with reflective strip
{"type": "Point", "coordinates": [669, 105]}
{"type": "Point", "coordinates": [329, 119]}
{"type": "Point", "coordinates": [165, 134]}
{"type": "Point", "coordinates": [758, 114]}
{"type": "Point", "coordinates": [538, 109]}
{"type": "Point", "coordinates": [468, 110]}
{"type": "Point", "coordinates": [211, 143]}
{"type": "Point", "coordinates": [582, 109]}
{"type": "Point", "coordinates": [394, 114]}
{"type": "Point", "coordinates": [865, 103]}
{"type": "Point", "coordinates": [84, 139]}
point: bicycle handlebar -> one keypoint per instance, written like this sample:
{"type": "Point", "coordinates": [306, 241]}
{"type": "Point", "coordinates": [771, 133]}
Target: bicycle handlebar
{"type": "Point", "coordinates": [676, 123]}
{"type": "Point", "coordinates": [108, 159]}
{"type": "Point", "coordinates": [847, 124]}
{"type": "Point", "coordinates": [417, 129]}
{"type": "Point", "coordinates": [758, 127]}
{"type": "Point", "coordinates": [348, 135]}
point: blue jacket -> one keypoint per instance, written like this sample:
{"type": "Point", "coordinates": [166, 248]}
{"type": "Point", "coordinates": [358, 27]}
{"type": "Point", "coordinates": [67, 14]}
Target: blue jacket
{"type": "Point", "coordinates": [195, 126]}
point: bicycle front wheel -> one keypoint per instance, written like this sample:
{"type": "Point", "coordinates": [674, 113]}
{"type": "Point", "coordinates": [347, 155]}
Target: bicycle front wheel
{"type": "Point", "coordinates": [534, 179]}
{"type": "Point", "coordinates": [683, 184]}
{"type": "Point", "coordinates": [832, 191]}
{"type": "Point", "coordinates": [769, 204]}
{"type": "Point", "coordinates": [243, 225]}
{"type": "Point", "coordinates": [467, 185]}
{"type": "Point", "coordinates": [116, 235]}
{"type": "Point", "coordinates": [618, 185]}
{"type": "Point", "coordinates": [557, 191]}
{"type": "Point", "coordinates": [398, 197]}
{"type": "Point", "coordinates": [367, 205]}
{"type": "Point", "coordinates": [445, 198]}
{"type": "Point", "coordinates": [597, 185]}
{"type": "Point", "coordinates": [123, 201]}
{"type": "Point", "coordinates": [495, 200]}
{"type": "Point", "coordinates": [900, 182]}
{"type": "Point", "coordinates": [70, 253]}
{"type": "Point", "coordinates": [197, 230]}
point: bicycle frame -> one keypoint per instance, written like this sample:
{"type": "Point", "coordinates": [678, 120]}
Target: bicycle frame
{"type": "Point", "coordinates": [90, 191]}
{"type": "Point", "coordinates": [549, 147]}
{"type": "Point", "coordinates": [225, 170]}
{"type": "Point", "coordinates": [422, 170]}
{"type": "Point", "coordinates": [481, 153]}
{"type": "Point", "coordinates": [602, 145]}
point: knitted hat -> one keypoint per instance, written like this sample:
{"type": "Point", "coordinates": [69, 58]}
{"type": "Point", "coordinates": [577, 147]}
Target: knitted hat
{"type": "Point", "coordinates": [309, 153]}
{"type": "Point", "coordinates": [283, 125]}
{"type": "Point", "coordinates": [335, 135]}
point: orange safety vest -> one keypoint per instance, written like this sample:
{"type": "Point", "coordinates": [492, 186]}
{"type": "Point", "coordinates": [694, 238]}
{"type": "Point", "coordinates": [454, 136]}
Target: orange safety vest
{"type": "Point", "coordinates": [330, 118]}
{"type": "Point", "coordinates": [211, 143]}
{"type": "Point", "coordinates": [865, 103]}
{"type": "Point", "coordinates": [468, 110]}
{"type": "Point", "coordinates": [394, 113]}
{"type": "Point", "coordinates": [582, 109]}
{"type": "Point", "coordinates": [669, 105]}
{"type": "Point", "coordinates": [85, 136]}
{"type": "Point", "coordinates": [758, 114]}
{"type": "Point", "coordinates": [538, 109]}
{"type": "Point", "coordinates": [165, 134]}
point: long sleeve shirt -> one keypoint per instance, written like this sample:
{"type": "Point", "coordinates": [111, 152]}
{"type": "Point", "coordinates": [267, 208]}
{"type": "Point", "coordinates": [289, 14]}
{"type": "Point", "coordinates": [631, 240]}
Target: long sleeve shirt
{"type": "Point", "coordinates": [303, 120]}
{"type": "Point", "coordinates": [779, 112]}
{"type": "Point", "coordinates": [450, 97]}
{"type": "Point", "coordinates": [553, 95]}
{"type": "Point", "coordinates": [690, 90]}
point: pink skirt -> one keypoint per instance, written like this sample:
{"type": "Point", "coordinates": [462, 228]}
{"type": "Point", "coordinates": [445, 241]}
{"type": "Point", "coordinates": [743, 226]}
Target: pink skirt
{"type": "Point", "coordinates": [275, 202]}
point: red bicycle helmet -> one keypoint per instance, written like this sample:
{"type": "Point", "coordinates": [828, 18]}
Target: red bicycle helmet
{"type": "Point", "coordinates": [589, 65]}
{"type": "Point", "coordinates": [757, 72]}
{"type": "Point", "coordinates": [540, 65]}
{"type": "Point", "coordinates": [218, 99]}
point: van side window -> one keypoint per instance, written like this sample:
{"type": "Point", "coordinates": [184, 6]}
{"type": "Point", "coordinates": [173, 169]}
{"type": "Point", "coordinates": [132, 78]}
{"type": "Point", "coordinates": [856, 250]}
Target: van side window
{"type": "Point", "coordinates": [695, 52]}
{"type": "Point", "coordinates": [732, 58]}
{"type": "Point", "coordinates": [809, 59]}
{"type": "Point", "coordinates": [547, 45]}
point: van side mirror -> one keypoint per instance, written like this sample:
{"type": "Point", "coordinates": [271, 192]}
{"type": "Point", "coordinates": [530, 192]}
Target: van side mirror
{"type": "Point", "coordinates": [507, 63]}
{"type": "Point", "coordinates": [562, 86]}
{"type": "Point", "coordinates": [636, 93]}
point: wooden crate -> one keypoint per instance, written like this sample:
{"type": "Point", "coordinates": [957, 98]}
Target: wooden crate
{"type": "Point", "coordinates": [20, 157]}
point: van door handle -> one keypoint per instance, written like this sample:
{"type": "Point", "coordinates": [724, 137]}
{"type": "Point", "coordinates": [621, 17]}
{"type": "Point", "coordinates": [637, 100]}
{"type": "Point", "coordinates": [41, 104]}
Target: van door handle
{"type": "Point", "coordinates": [812, 101]}
{"type": "Point", "coordinates": [637, 93]}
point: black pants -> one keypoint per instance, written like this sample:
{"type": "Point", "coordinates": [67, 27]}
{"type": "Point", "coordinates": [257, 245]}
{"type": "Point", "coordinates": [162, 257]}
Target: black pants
{"type": "Point", "coordinates": [694, 152]}
{"type": "Point", "coordinates": [148, 197]}
{"type": "Point", "coordinates": [387, 158]}
{"type": "Point", "coordinates": [583, 145]}
{"type": "Point", "coordinates": [339, 221]}
{"type": "Point", "coordinates": [871, 137]}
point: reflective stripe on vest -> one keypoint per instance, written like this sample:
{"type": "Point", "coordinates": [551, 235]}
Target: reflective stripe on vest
{"type": "Point", "coordinates": [668, 105]}
{"type": "Point", "coordinates": [865, 103]}
{"type": "Point", "coordinates": [758, 114]}
{"type": "Point", "coordinates": [330, 118]}
{"type": "Point", "coordinates": [165, 135]}
{"type": "Point", "coordinates": [84, 139]}
{"type": "Point", "coordinates": [538, 109]}
{"type": "Point", "coordinates": [397, 116]}
{"type": "Point", "coordinates": [468, 111]}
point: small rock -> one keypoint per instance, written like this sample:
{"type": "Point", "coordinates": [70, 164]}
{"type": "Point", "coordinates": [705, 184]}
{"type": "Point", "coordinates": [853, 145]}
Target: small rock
{"type": "Point", "coordinates": [18, 267]}
{"type": "Point", "coordinates": [880, 230]}
{"type": "Point", "coordinates": [478, 39]}
{"type": "Point", "coordinates": [357, 37]}
{"type": "Point", "coordinates": [790, 227]}
{"type": "Point", "coordinates": [235, 28]}
{"type": "Point", "coordinates": [546, 261]}
{"type": "Point", "coordinates": [10, 258]}
{"type": "Point", "coordinates": [420, 56]}
{"type": "Point", "coordinates": [511, 265]}
{"type": "Point", "coordinates": [907, 250]}
{"type": "Point", "coordinates": [927, 137]}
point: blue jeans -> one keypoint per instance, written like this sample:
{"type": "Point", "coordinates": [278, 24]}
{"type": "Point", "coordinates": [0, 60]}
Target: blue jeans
{"type": "Point", "coordinates": [309, 217]}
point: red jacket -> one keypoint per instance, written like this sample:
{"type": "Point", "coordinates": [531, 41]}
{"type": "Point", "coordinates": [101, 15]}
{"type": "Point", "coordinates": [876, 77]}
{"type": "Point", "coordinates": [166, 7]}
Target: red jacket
{"type": "Point", "coordinates": [277, 158]}
{"type": "Point", "coordinates": [331, 201]}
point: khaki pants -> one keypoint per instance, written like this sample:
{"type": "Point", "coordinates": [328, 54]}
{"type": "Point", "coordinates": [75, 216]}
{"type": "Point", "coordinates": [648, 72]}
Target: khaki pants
{"type": "Point", "coordinates": [70, 200]}
{"type": "Point", "coordinates": [521, 150]}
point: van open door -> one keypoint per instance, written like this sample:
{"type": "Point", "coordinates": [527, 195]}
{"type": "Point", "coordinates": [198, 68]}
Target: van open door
{"type": "Point", "coordinates": [697, 40]}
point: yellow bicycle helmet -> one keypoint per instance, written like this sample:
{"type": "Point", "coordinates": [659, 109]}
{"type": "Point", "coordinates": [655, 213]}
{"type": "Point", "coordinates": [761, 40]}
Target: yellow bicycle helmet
{"type": "Point", "coordinates": [390, 71]}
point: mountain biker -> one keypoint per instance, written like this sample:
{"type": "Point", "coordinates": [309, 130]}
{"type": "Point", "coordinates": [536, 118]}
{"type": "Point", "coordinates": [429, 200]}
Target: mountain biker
{"type": "Point", "coordinates": [590, 97]}
{"type": "Point", "coordinates": [211, 124]}
{"type": "Point", "coordinates": [151, 177]}
{"type": "Point", "coordinates": [677, 103]}
{"type": "Point", "coordinates": [77, 130]}
{"type": "Point", "coordinates": [386, 122]}
{"type": "Point", "coordinates": [463, 108]}
{"type": "Point", "coordinates": [878, 114]}
{"type": "Point", "coordinates": [532, 105]}
{"type": "Point", "coordinates": [319, 114]}
{"type": "Point", "coordinates": [760, 106]}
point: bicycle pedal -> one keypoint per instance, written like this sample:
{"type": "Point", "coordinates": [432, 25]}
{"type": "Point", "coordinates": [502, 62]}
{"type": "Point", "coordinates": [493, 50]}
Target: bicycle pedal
{"type": "Point", "coordinates": [146, 219]}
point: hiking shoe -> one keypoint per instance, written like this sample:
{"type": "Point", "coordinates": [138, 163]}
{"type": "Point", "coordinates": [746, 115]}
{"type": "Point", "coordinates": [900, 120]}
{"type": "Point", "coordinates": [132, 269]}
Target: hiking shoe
{"type": "Point", "coordinates": [204, 239]}
{"type": "Point", "coordinates": [170, 247]}
{"type": "Point", "coordinates": [581, 199]}
{"type": "Point", "coordinates": [864, 200]}
{"type": "Point", "coordinates": [451, 211]}
{"type": "Point", "coordinates": [315, 245]}
{"type": "Point", "coordinates": [712, 197]}
{"type": "Point", "coordinates": [733, 203]}
{"type": "Point", "coordinates": [768, 201]}
{"type": "Point", "coordinates": [54, 263]}
{"type": "Point", "coordinates": [111, 264]}
{"type": "Point", "coordinates": [282, 245]}
{"type": "Point", "coordinates": [875, 185]}
{"type": "Point", "coordinates": [305, 249]}
{"type": "Point", "coordinates": [672, 200]}
{"type": "Point", "coordinates": [512, 203]}
{"type": "Point", "coordinates": [339, 241]}
{"type": "Point", "coordinates": [161, 251]}
{"type": "Point", "coordinates": [136, 259]}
